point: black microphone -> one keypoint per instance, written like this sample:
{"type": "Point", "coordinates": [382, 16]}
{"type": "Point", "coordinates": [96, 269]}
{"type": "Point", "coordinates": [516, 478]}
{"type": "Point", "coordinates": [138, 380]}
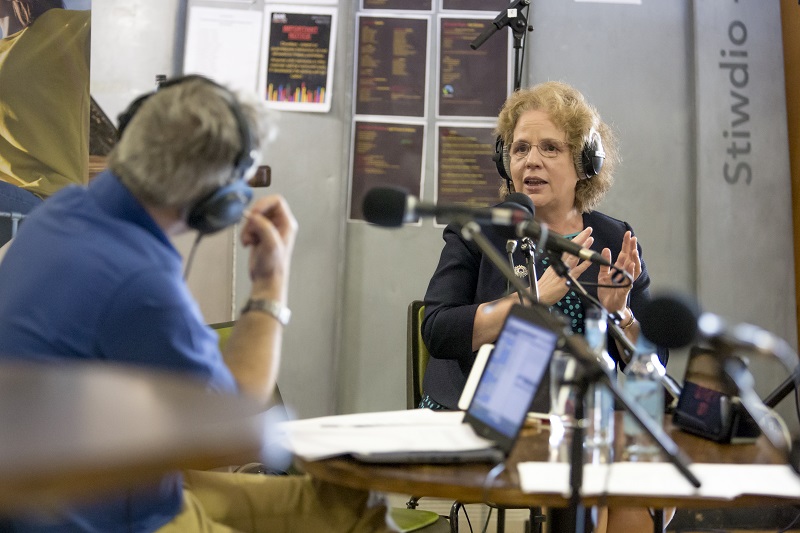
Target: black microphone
{"type": "Point", "coordinates": [676, 321]}
{"type": "Point", "coordinates": [558, 243]}
{"type": "Point", "coordinates": [393, 206]}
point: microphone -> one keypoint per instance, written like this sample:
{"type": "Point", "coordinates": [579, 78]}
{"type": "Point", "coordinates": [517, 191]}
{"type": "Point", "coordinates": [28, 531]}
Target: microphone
{"type": "Point", "coordinates": [558, 243]}
{"type": "Point", "coordinates": [677, 321]}
{"type": "Point", "coordinates": [393, 206]}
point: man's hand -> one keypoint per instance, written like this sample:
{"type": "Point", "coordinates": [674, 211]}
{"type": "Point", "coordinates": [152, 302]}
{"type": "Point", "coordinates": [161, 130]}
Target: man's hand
{"type": "Point", "coordinates": [270, 230]}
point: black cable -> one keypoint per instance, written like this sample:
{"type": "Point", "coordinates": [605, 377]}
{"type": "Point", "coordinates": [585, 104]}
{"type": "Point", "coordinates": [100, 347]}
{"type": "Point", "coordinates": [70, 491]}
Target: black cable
{"type": "Point", "coordinates": [190, 259]}
{"type": "Point", "coordinates": [488, 517]}
{"type": "Point", "coordinates": [793, 522]}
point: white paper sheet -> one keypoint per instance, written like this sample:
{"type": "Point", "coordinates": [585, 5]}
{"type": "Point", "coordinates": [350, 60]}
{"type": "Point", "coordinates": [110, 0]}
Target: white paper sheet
{"type": "Point", "coordinates": [224, 44]}
{"type": "Point", "coordinates": [724, 481]}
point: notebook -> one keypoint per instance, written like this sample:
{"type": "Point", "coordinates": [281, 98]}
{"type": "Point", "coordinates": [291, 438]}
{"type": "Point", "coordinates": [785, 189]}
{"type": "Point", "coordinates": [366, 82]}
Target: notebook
{"type": "Point", "coordinates": [511, 376]}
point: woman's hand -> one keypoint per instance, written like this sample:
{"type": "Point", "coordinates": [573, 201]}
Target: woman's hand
{"type": "Point", "coordinates": [552, 286]}
{"type": "Point", "coordinates": [615, 300]}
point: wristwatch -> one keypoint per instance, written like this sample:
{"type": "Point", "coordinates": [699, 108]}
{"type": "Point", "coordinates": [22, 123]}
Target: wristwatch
{"type": "Point", "coordinates": [280, 312]}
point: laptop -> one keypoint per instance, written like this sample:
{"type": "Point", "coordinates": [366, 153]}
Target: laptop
{"type": "Point", "coordinates": [511, 376]}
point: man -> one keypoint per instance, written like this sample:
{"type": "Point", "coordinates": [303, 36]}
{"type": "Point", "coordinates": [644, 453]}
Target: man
{"type": "Point", "coordinates": [92, 275]}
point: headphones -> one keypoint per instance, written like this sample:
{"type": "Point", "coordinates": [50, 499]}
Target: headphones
{"type": "Point", "coordinates": [224, 206]}
{"type": "Point", "coordinates": [592, 157]}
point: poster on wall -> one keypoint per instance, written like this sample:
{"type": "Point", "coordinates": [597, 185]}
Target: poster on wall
{"type": "Point", "coordinates": [224, 44]}
{"type": "Point", "coordinates": [471, 83]}
{"type": "Point", "coordinates": [299, 50]}
{"type": "Point", "coordinates": [392, 65]}
{"type": "Point", "coordinates": [384, 153]}
{"type": "Point", "coordinates": [465, 171]}
{"type": "Point", "coordinates": [404, 5]}
{"type": "Point", "coordinates": [475, 5]}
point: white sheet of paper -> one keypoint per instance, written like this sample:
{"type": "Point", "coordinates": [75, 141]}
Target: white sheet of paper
{"type": "Point", "coordinates": [724, 481]}
{"type": "Point", "coordinates": [224, 44]}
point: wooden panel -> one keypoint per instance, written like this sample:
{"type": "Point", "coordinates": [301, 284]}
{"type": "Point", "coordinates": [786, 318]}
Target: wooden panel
{"type": "Point", "coordinates": [790, 22]}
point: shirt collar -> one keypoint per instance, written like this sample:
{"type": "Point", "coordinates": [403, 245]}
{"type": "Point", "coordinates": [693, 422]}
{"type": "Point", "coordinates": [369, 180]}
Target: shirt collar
{"type": "Point", "coordinates": [116, 200]}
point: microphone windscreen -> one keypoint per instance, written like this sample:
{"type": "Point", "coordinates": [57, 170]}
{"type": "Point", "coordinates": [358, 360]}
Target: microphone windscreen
{"type": "Point", "coordinates": [670, 320]}
{"type": "Point", "coordinates": [520, 199]}
{"type": "Point", "coordinates": [385, 206]}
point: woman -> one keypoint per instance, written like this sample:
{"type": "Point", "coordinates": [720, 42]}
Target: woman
{"type": "Point", "coordinates": [557, 151]}
{"type": "Point", "coordinates": [44, 113]}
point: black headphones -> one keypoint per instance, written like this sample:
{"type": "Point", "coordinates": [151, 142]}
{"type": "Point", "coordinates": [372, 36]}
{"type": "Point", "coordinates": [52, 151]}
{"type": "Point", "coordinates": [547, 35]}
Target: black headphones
{"type": "Point", "coordinates": [224, 206]}
{"type": "Point", "coordinates": [592, 157]}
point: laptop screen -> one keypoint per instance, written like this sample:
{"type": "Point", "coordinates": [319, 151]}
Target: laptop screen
{"type": "Point", "coordinates": [512, 375]}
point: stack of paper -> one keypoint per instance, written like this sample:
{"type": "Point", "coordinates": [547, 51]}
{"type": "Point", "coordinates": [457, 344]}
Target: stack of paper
{"type": "Point", "coordinates": [413, 430]}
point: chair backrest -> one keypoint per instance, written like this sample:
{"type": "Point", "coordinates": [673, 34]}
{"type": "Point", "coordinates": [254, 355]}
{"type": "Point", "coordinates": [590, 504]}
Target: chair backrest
{"type": "Point", "coordinates": [224, 330]}
{"type": "Point", "coordinates": [417, 354]}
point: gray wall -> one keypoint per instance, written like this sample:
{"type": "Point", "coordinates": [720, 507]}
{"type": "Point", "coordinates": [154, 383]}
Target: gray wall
{"type": "Point", "coordinates": [351, 283]}
{"type": "Point", "coordinates": [606, 51]}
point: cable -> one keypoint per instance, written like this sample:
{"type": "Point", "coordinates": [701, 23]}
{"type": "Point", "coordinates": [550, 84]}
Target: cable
{"type": "Point", "coordinates": [190, 259]}
{"type": "Point", "coordinates": [793, 522]}
{"type": "Point", "coordinates": [488, 518]}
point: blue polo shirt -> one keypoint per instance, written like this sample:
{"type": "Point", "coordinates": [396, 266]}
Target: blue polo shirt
{"type": "Point", "coordinates": [91, 276]}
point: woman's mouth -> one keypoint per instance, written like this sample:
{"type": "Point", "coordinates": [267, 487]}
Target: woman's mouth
{"type": "Point", "coordinates": [534, 182]}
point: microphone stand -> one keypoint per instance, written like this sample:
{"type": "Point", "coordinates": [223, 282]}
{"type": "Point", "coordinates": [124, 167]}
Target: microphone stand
{"type": "Point", "coordinates": [529, 250]}
{"type": "Point", "coordinates": [627, 348]}
{"type": "Point", "coordinates": [512, 17]}
{"type": "Point", "coordinates": [471, 231]}
{"type": "Point", "coordinates": [591, 372]}
{"type": "Point", "coordinates": [784, 389]}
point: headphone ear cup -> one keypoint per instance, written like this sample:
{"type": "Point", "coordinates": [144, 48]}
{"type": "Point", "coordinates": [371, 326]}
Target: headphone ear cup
{"type": "Point", "coordinates": [592, 155]}
{"type": "Point", "coordinates": [222, 208]}
{"type": "Point", "coordinates": [124, 118]}
{"type": "Point", "coordinates": [501, 160]}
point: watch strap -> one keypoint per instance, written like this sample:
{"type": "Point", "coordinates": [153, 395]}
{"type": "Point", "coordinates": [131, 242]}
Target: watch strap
{"type": "Point", "coordinates": [277, 310]}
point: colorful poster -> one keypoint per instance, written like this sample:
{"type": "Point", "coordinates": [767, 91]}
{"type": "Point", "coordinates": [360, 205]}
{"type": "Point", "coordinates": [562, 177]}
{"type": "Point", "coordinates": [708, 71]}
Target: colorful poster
{"type": "Point", "coordinates": [392, 66]}
{"type": "Point", "coordinates": [476, 5]}
{"type": "Point", "coordinates": [385, 153]}
{"type": "Point", "coordinates": [465, 171]}
{"type": "Point", "coordinates": [299, 48]}
{"type": "Point", "coordinates": [405, 5]}
{"type": "Point", "coordinates": [472, 83]}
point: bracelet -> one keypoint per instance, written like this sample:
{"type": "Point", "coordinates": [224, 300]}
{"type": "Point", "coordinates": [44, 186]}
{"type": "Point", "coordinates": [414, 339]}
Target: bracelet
{"type": "Point", "coordinates": [630, 322]}
{"type": "Point", "coordinates": [275, 309]}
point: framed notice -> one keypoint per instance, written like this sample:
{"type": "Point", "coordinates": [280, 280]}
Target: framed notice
{"type": "Point", "coordinates": [384, 153]}
{"type": "Point", "coordinates": [392, 65]}
{"type": "Point", "coordinates": [476, 5]}
{"type": "Point", "coordinates": [465, 171]}
{"type": "Point", "coordinates": [471, 83]}
{"type": "Point", "coordinates": [404, 5]}
{"type": "Point", "coordinates": [223, 44]}
{"type": "Point", "coordinates": [299, 50]}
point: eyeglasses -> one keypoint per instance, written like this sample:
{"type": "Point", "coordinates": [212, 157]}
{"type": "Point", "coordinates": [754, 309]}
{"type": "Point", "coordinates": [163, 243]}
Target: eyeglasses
{"type": "Point", "coordinates": [548, 148]}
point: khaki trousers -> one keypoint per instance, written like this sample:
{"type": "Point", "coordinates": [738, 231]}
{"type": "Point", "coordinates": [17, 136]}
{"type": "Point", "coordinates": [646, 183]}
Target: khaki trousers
{"type": "Point", "coordinates": [217, 502]}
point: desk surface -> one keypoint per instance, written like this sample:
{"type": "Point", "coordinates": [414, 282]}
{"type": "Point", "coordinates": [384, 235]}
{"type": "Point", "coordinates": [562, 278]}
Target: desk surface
{"type": "Point", "coordinates": [465, 482]}
{"type": "Point", "coordinates": [72, 431]}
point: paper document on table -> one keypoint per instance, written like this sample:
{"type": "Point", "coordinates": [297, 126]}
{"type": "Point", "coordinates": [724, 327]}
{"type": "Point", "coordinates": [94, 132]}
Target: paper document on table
{"type": "Point", "coordinates": [369, 433]}
{"type": "Point", "coordinates": [553, 478]}
{"type": "Point", "coordinates": [722, 481]}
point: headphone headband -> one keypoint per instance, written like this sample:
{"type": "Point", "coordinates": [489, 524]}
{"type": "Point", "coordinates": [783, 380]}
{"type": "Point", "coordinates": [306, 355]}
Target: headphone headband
{"type": "Point", "coordinates": [225, 205]}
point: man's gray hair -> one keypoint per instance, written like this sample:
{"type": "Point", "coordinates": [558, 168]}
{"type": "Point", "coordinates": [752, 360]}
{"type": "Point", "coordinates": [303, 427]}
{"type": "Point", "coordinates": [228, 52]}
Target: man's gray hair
{"type": "Point", "coordinates": [182, 143]}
